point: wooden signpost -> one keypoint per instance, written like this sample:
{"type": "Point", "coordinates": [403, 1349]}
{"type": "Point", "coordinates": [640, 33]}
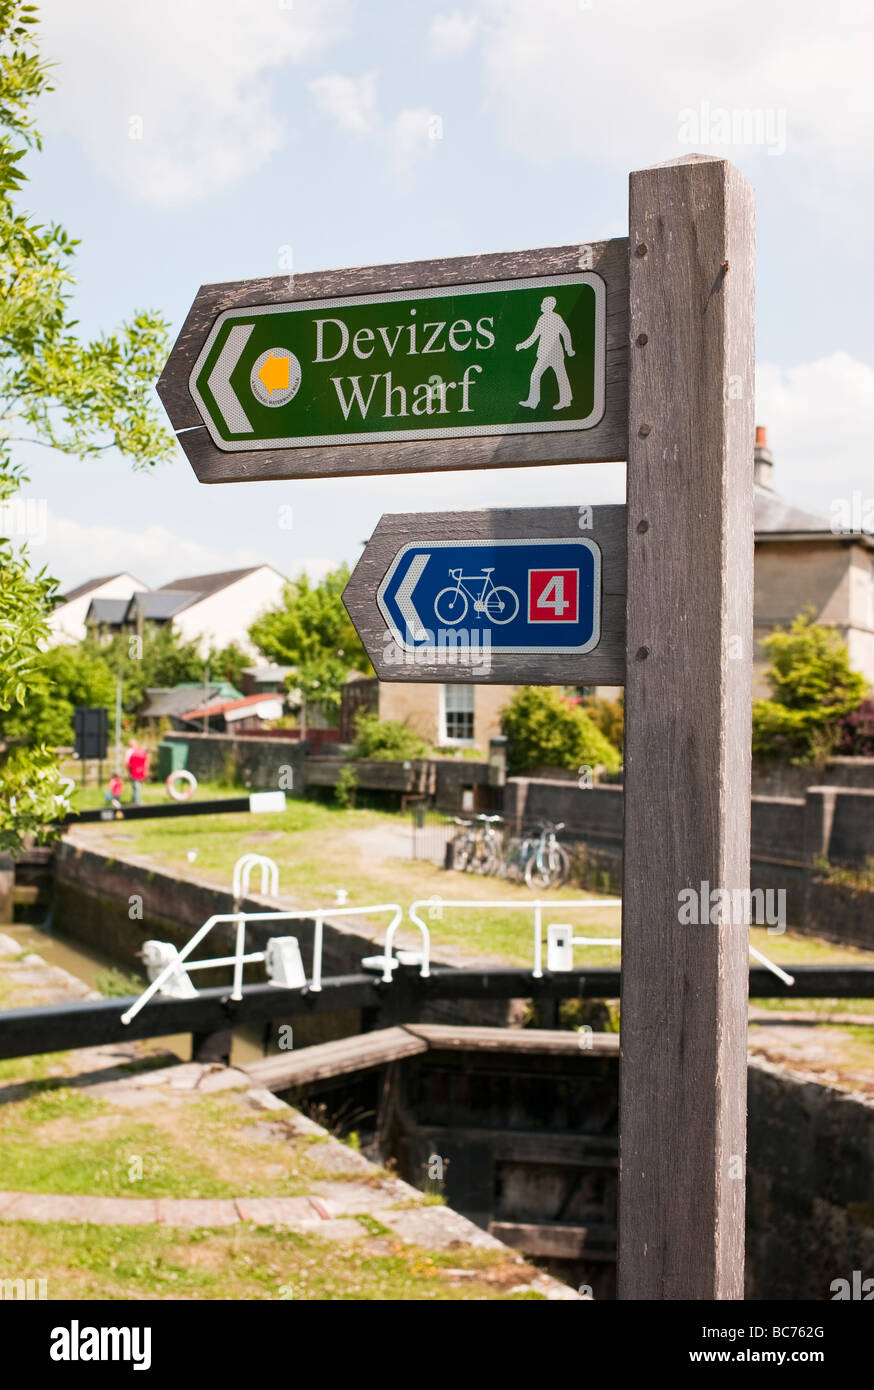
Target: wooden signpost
{"type": "Point", "coordinates": [406, 368]}
{"type": "Point", "coordinates": [637, 349]}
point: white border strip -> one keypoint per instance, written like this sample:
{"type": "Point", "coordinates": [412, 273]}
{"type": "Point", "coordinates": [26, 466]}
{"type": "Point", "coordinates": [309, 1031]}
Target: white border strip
{"type": "Point", "coordinates": [398, 436]}
{"type": "Point", "coordinates": [492, 543]}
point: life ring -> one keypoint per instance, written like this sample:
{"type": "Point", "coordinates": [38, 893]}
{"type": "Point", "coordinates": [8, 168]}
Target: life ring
{"type": "Point", "coordinates": [185, 792]}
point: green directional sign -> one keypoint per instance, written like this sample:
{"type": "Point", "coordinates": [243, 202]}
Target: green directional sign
{"type": "Point", "coordinates": [503, 357]}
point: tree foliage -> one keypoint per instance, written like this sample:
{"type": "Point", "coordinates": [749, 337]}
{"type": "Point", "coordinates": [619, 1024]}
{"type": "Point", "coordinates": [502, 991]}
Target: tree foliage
{"type": "Point", "coordinates": [58, 391]}
{"type": "Point", "coordinates": [160, 660]}
{"type": "Point", "coordinates": [813, 687]}
{"type": "Point", "coordinates": [608, 716]}
{"type": "Point", "coordinates": [86, 673]}
{"type": "Point", "coordinates": [311, 630]}
{"type": "Point", "coordinates": [63, 677]}
{"type": "Point", "coordinates": [544, 730]}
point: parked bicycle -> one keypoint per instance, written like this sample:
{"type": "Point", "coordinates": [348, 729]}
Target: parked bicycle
{"type": "Point", "coordinates": [477, 849]}
{"type": "Point", "coordinates": [538, 858]}
{"type": "Point", "coordinates": [548, 866]}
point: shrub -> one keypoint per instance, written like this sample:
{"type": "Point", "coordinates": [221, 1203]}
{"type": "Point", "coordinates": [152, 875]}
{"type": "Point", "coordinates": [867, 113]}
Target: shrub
{"type": "Point", "coordinates": [545, 731]}
{"type": "Point", "coordinates": [813, 688]}
{"type": "Point", "coordinates": [856, 732]}
{"type": "Point", "coordinates": [608, 716]}
{"type": "Point", "coordinates": [344, 789]}
{"type": "Point", "coordinates": [388, 740]}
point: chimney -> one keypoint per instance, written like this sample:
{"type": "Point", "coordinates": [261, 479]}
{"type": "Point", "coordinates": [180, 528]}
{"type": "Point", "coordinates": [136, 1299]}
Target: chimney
{"type": "Point", "coordinates": [763, 467]}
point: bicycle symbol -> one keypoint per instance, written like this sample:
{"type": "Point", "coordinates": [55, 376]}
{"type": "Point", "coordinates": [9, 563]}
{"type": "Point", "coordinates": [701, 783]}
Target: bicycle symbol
{"type": "Point", "coordinates": [496, 601]}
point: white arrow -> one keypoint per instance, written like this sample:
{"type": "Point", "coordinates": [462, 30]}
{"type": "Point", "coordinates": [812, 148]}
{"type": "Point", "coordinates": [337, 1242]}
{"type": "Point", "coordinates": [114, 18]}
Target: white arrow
{"type": "Point", "coordinates": [404, 598]}
{"type": "Point", "coordinates": [219, 381]}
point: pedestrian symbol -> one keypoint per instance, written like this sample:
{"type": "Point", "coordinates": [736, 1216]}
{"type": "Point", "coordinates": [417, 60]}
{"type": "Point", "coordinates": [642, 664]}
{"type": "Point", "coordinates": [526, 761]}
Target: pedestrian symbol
{"type": "Point", "coordinates": [553, 339]}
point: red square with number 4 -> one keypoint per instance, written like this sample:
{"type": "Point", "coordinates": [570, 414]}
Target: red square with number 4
{"type": "Point", "coordinates": [553, 596]}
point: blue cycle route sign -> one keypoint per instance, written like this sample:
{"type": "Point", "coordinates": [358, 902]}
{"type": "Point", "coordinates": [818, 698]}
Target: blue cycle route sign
{"type": "Point", "coordinates": [522, 596]}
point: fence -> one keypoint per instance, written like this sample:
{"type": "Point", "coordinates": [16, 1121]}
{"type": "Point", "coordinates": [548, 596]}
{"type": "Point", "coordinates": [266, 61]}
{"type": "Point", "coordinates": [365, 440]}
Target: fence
{"type": "Point", "coordinates": [432, 831]}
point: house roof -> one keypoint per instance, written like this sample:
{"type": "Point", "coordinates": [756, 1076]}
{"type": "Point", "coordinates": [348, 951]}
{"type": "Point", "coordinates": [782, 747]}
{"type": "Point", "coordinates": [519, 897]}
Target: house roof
{"type": "Point", "coordinates": [194, 587]}
{"type": "Point", "coordinates": [776, 514]}
{"type": "Point", "coordinates": [161, 603]}
{"type": "Point", "coordinates": [107, 610]}
{"type": "Point", "coordinates": [91, 584]}
{"type": "Point", "coordinates": [775, 517]}
{"type": "Point", "coordinates": [202, 584]}
{"type": "Point", "coordinates": [269, 673]}
{"type": "Point", "coordinates": [176, 702]}
{"type": "Point", "coordinates": [224, 706]}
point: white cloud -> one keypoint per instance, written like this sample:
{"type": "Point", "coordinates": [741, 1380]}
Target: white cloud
{"type": "Point", "coordinates": [415, 131]}
{"type": "Point", "coordinates": [196, 74]}
{"type": "Point", "coordinates": [350, 100]}
{"type": "Point", "coordinates": [450, 34]}
{"type": "Point", "coordinates": [314, 566]}
{"type": "Point", "coordinates": [608, 81]}
{"type": "Point", "coordinates": [818, 416]}
{"type": "Point", "coordinates": [75, 552]}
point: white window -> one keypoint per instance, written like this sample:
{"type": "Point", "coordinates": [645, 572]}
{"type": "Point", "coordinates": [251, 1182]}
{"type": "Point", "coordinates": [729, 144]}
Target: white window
{"type": "Point", "coordinates": [457, 709]}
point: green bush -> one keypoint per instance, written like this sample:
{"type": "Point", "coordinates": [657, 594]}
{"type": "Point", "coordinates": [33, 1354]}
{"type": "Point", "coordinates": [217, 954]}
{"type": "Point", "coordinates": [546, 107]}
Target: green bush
{"type": "Point", "coordinates": [545, 731]}
{"type": "Point", "coordinates": [388, 740]}
{"type": "Point", "coordinates": [344, 789]}
{"type": "Point", "coordinates": [608, 716]}
{"type": "Point", "coordinates": [812, 686]}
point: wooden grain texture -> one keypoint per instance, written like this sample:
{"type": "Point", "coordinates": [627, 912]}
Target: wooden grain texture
{"type": "Point", "coordinates": [339, 1058]}
{"type": "Point", "coordinates": [604, 665]}
{"type": "Point", "coordinates": [551, 1042]}
{"type": "Point", "coordinates": [557, 1240]}
{"type": "Point", "coordinates": [687, 743]}
{"type": "Point", "coordinates": [572, 1150]}
{"type": "Point", "coordinates": [603, 442]}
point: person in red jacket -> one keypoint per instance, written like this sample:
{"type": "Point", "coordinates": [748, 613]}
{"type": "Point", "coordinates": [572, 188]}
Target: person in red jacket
{"type": "Point", "coordinates": [137, 763]}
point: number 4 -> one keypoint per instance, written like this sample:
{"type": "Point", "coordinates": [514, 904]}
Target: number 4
{"type": "Point", "coordinates": [553, 596]}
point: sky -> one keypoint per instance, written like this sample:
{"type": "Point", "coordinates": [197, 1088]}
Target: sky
{"type": "Point", "coordinates": [191, 141]}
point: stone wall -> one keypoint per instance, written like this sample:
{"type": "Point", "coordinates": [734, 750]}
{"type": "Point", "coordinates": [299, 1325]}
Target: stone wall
{"type": "Point", "coordinates": [782, 779]}
{"type": "Point", "coordinates": [261, 764]}
{"type": "Point", "coordinates": [265, 764]}
{"type": "Point", "coordinates": [790, 837]}
{"type": "Point", "coordinates": [810, 1186]}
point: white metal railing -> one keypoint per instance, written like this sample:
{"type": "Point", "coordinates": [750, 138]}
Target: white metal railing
{"type": "Point", "coordinates": [243, 876]}
{"type": "Point", "coordinates": [243, 870]}
{"type": "Point", "coordinates": [269, 888]}
{"type": "Point", "coordinates": [388, 962]}
{"type": "Point", "coordinates": [536, 905]}
{"type": "Point", "coordinates": [240, 958]}
{"type": "Point", "coordinates": [269, 881]}
{"type": "Point", "coordinates": [557, 906]}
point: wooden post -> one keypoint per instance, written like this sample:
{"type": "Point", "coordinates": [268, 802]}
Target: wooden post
{"type": "Point", "coordinates": [687, 750]}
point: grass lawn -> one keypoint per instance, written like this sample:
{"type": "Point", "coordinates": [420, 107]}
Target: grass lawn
{"type": "Point", "coordinates": [57, 1139]}
{"type": "Point", "coordinates": [54, 1138]}
{"type": "Point", "coordinates": [246, 1262]}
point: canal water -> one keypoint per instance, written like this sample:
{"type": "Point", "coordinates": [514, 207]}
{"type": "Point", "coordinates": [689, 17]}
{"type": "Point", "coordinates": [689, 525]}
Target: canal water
{"type": "Point", "coordinates": [87, 964]}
